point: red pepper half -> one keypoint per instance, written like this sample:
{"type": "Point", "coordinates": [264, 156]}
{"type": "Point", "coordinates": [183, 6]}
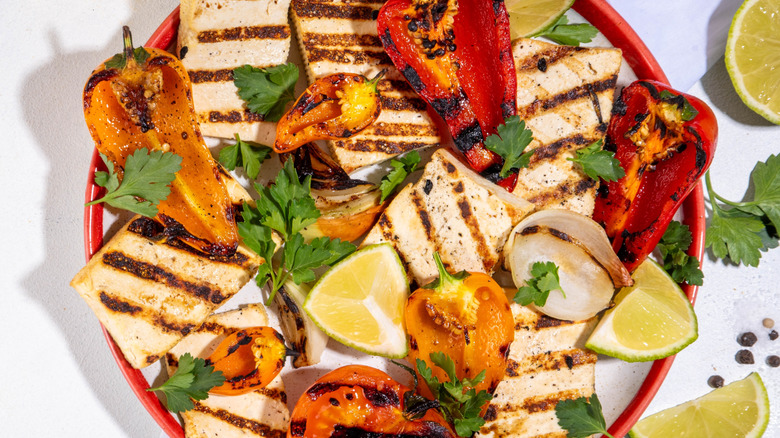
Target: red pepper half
{"type": "Point", "coordinates": [665, 141]}
{"type": "Point", "coordinates": [457, 55]}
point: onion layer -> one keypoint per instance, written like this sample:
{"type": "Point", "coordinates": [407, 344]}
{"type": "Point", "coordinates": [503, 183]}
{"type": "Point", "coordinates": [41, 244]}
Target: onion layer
{"type": "Point", "coordinates": [588, 268]}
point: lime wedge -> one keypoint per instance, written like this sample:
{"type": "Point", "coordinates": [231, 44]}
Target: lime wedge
{"type": "Point", "coordinates": [651, 319]}
{"type": "Point", "coordinates": [753, 56]}
{"type": "Point", "coordinates": [739, 409]}
{"type": "Point", "coordinates": [529, 17]}
{"type": "Point", "coordinates": [360, 302]}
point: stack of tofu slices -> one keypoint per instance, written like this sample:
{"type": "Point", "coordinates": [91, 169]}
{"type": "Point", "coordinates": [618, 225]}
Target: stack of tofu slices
{"type": "Point", "coordinates": [150, 293]}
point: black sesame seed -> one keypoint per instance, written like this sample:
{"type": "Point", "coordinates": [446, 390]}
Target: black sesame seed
{"type": "Point", "coordinates": [747, 339]}
{"type": "Point", "coordinates": [773, 361]}
{"type": "Point", "coordinates": [744, 357]}
{"type": "Point", "coordinates": [715, 381]}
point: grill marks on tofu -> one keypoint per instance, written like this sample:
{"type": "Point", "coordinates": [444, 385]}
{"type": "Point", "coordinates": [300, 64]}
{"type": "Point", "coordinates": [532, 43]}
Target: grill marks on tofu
{"type": "Point", "coordinates": [547, 363]}
{"type": "Point", "coordinates": [453, 211]}
{"type": "Point", "coordinates": [260, 413]}
{"type": "Point", "coordinates": [565, 96]}
{"type": "Point", "coordinates": [216, 36]}
{"type": "Point", "coordinates": [150, 291]}
{"type": "Point", "coordinates": [340, 36]}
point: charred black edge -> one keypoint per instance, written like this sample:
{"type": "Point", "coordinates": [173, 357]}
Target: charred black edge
{"type": "Point", "coordinates": [551, 361]}
{"type": "Point", "coordinates": [378, 397]}
{"type": "Point", "coordinates": [305, 9]}
{"type": "Point", "coordinates": [588, 90]}
{"type": "Point", "coordinates": [234, 117]}
{"type": "Point", "coordinates": [117, 305]}
{"type": "Point", "coordinates": [468, 137]}
{"type": "Point", "coordinates": [240, 422]}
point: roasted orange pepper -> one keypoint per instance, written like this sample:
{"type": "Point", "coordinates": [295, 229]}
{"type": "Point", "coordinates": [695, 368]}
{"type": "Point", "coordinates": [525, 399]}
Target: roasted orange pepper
{"type": "Point", "coordinates": [360, 401]}
{"type": "Point", "coordinates": [333, 107]}
{"type": "Point", "coordinates": [465, 316]}
{"type": "Point", "coordinates": [146, 102]}
{"type": "Point", "coordinates": [249, 359]}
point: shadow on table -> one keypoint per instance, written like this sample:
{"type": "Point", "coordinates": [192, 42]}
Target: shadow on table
{"type": "Point", "coordinates": [51, 103]}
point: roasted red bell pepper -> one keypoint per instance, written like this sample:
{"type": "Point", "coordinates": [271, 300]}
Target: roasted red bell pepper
{"type": "Point", "coordinates": [333, 107]}
{"type": "Point", "coordinates": [665, 141]}
{"type": "Point", "coordinates": [249, 359]}
{"type": "Point", "coordinates": [457, 55]}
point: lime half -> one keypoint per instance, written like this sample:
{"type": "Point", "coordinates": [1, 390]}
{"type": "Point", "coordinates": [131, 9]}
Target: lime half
{"type": "Point", "coordinates": [753, 56]}
{"type": "Point", "coordinates": [651, 319]}
{"type": "Point", "coordinates": [529, 17]}
{"type": "Point", "coordinates": [360, 302]}
{"type": "Point", "coordinates": [739, 409]}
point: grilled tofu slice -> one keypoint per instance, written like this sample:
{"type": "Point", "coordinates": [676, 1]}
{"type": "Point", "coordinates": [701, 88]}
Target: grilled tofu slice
{"type": "Point", "coordinates": [547, 363]}
{"type": "Point", "coordinates": [216, 36]}
{"type": "Point", "coordinates": [260, 413]}
{"type": "Point", "coordinates": [149, 292]}
{"type": "Point", "coordinates": [340, 36]}
{"type": "Point", "coordinates": [453, 211]}
{"type": "Point", "coordinates": [564, 94]}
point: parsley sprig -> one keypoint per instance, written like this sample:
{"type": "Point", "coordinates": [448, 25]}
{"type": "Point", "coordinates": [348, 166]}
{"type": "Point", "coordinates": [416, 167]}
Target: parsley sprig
{"type": "Point", "coordinates": [598, 163]}
{"type": "Point", "coordinates": [459, 402]}
{"type": "Point", "coordinates": [402, 167]}
{"type": "Point", "coordinates": [569, 34]}
{"type": "Point", "coordinates": [244, 154]}
{"type": "Point", "coordinates": [537, 289]}
{"type": "Point", "coordinates": [192, 380]}
{"type": "Point", "coordinates": [747, 228]}
{"type": "Point", "coordinates": [287, 207]}
{"type": "Point", "coordinates": [510, 142]}
{"type": "Point", "coordinates": [673, 246]}
{"type": "Point", "coordinates": [146, 181]}
{"type": "Point", "coordinates": [266, 91]}
{"type": "Point", "coordinates": [581, 418]}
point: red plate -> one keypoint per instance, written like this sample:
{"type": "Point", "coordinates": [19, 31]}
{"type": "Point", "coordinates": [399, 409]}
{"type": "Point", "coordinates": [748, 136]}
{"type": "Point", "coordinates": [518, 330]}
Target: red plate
{"type": "Point", "coordinates": [619, 33]}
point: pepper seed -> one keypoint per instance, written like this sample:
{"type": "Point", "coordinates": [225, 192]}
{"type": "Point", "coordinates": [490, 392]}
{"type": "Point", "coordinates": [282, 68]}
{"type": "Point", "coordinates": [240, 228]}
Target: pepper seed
{"type": "Point", "coordinates": [747, 339]}
{"type": "Point", "coordinates": [744, 357]}
{"type": "Point", "coordinates": [773, 335]}
{"type": "Point", "coordinates": [715, 381]}
{"type": "Point", "coordinates": [768, 322]}
{"type": "Point", "coordinates": [773, 361]}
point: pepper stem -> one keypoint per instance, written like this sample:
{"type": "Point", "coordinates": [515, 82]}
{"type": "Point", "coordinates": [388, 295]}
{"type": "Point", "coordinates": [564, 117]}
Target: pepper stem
{"type": "Point", "coordinates": [374, 82]}
{"type": "Point", "coordinates": [446, 281]}
{"type": "Point", "coordinates": [127, 40]}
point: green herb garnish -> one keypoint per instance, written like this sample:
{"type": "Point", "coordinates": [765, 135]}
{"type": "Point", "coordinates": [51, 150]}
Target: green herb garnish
{"type": "Point", "coordinates": [537, 289]}
{"type": "Point", "coordinates": [598, 163]}
{"type": "Point", "coordinates": [191, 381]}
{"type": "Point", "coordinates": [147, 176]}
{"type": "Point", "coordinates": [266, 91]}
{"type": "Point", "coordinates": [244, 154]}
{"type": "Point", "coordinates": [569, 34]}
{"type": "Point", "coordinates": [402, 167]}
{"type": "Point", "coordinates": [581, 418]}
{"type": "Point", "coordinates": [510, 142]}
{"type": "Point", "coordinates": [673, 246]}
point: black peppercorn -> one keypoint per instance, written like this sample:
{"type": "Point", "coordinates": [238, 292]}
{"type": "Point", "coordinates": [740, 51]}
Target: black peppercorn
{"type": "Point", "coordinates": [747, 339]}
{"type": "Point", "coordinates": [715, 381]}
{"type": "Point", "coordinates": [744, 357]}
{"type": "Point", "coordinates": [773, 335]}
{"type": "Point", "coordinates": [773, 361]}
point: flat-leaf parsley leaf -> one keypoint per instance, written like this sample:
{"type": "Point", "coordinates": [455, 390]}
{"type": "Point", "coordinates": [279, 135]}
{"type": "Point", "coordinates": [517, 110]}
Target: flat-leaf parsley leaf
{"type": "Point", "coordinates": [266, 91]}
{"type": "Point", "coordinates": [673, 246]}
{"type": "Point", "coordinates": [581, 418]}
{"type": "Point", "coordinates": [244, 154]}
{"type": "Point", "coordinates": [510, 142]}
{"type": "Point", "coordinates": [537, 289]}
{"type": "Point", "coordinates": [402, 167]}
{"type": "Point", "coordinates": [598, 163]}
{"type": "Point", "coordinates": [569, 34]}
{"type": "Point", "coordinates": [147, 176]}
{"type": "Point", "coordinates": [192, 380]}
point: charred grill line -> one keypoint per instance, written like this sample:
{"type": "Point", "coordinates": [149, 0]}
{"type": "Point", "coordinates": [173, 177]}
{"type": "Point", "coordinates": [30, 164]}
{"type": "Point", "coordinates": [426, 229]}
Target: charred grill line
{"type": "Point", "coordinates": [306, 9]}
{"type": "Point", "coordinates": [312, 40]}
{"type": "Point", "coordinates": [588, 90]}
{"type": "Point", "coordinates": [234, 117]}
{"type": "Point", "coordinates": [387, 147]}
{"type": "Point", "coordinates": [146, 271]}
{"type": "Point", "coordinates": [244, 34]}
{"type": "Point", "coordinates": [240, 422]}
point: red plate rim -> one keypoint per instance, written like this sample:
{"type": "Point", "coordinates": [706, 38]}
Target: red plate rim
{"type": "Point", "coordinates": [617, 31]}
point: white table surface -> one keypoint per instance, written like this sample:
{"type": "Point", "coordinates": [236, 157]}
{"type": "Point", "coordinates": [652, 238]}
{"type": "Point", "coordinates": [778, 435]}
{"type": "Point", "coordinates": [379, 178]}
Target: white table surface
{"type": "Point", "coordinates": [58, 377]}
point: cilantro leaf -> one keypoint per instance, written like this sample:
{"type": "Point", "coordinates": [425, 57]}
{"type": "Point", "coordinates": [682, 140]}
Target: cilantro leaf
{"type": "Point", "coordinates": [673, 246]}
{"type": "Point", "coordinates": [747, 228]}
{"type": "Point", "coordinates": [510, 142]}
{"type": "Point", "coordinates": [458, 401]}
{"type": "Point", "coordinates": [544, 280]}
{"type": "Point", "coordinates": [598, 163]}
{"type": "Point", "coordinates": [244, 154]}
{"type": "Point", "coordinates": [287, 207]}
{"type": "Point", "coordinates": [581, 418]}
{"type": "Point", "coordinates": [735, 235]}
{"type": "Point", "coordinates": [192, 380]}
{"type": "Point", "coordinates": [147, 176]}
{"type": "Point", "coordinates": [569, 34]}
{"type": "Point", "coordinates": [266, 91]}
{"type": "Point", "coordinates": [402, 167]}
{"type": "Point", "coordinates": [766, 179]}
